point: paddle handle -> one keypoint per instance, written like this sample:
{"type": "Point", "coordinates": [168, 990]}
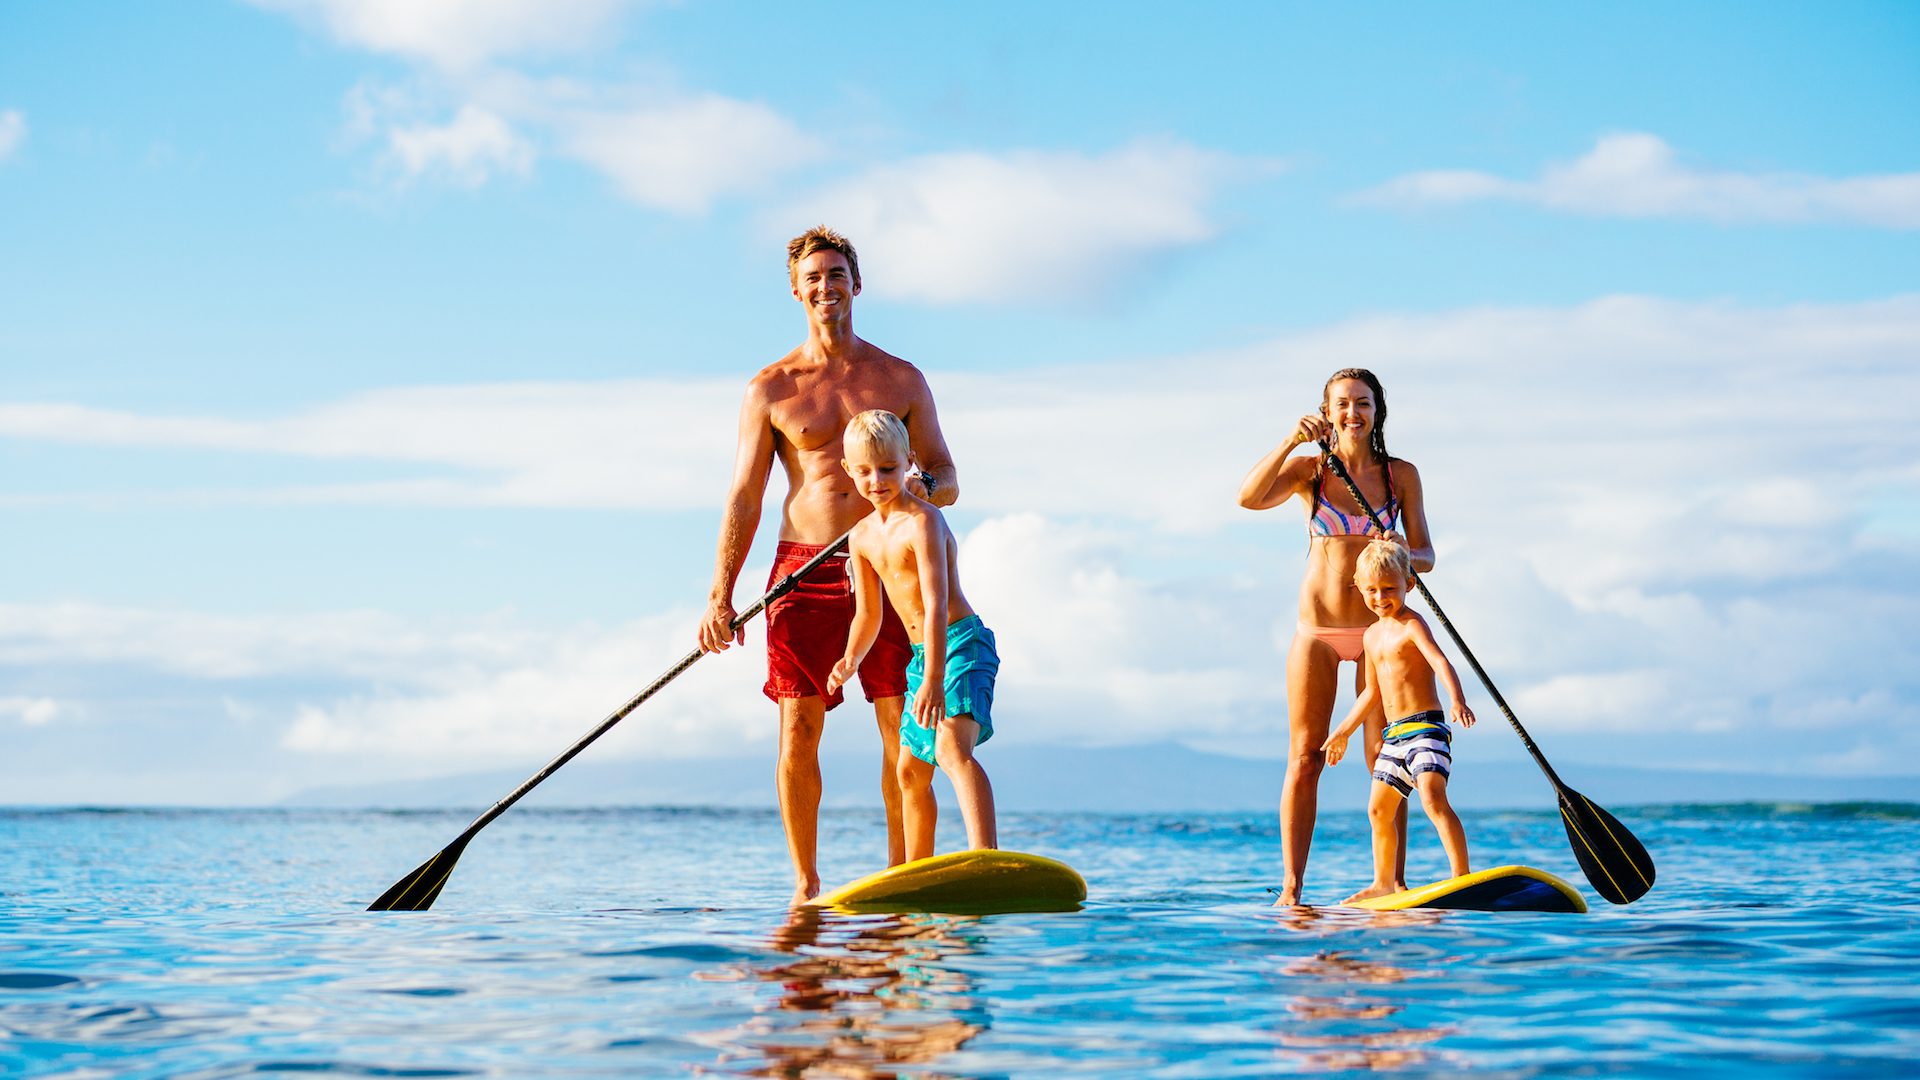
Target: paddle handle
{"type": "Point", "coordinates": [1472, 661]}
{"type": "Point", "coordinates": [781, 588]}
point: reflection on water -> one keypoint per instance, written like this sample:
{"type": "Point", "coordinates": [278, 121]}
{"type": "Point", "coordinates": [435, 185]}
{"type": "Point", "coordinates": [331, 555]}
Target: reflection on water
{"type": "Point", "coordinates": [163, 945]}
{"type": "Point", "coordinates": [863, 997]}
{"type": "Point", "coordinates": [1358, 1039]}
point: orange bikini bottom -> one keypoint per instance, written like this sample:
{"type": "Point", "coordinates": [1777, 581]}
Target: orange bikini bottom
{"type": "Point", "coordinates": [1343, 640]}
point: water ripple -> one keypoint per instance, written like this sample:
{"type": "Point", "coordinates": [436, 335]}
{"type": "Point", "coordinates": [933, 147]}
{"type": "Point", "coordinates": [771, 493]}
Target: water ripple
{"type": "Point", "coordinates": [545, 958]}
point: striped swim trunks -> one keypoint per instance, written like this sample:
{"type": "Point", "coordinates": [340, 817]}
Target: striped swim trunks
{"type": "Point", "coordinates": [1417, 744]}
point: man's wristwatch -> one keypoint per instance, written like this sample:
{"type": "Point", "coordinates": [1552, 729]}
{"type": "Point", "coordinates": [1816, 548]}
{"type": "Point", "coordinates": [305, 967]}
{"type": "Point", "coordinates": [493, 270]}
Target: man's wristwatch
{"type": "Point", "coordinates": [928, 481]}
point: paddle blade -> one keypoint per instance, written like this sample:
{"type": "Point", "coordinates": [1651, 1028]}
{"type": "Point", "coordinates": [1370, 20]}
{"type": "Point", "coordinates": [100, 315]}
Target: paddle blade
{"type": "Point", "coordinates": [418, 890]}
{"type": "Point", "coordinates": [1614, 861]}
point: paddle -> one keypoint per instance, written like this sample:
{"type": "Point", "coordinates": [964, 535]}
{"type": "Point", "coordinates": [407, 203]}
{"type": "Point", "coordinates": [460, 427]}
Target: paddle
{"type": "Point", "coordinates": [418, 890]}
{"type": "Point", "coordinates": [1614, 861]}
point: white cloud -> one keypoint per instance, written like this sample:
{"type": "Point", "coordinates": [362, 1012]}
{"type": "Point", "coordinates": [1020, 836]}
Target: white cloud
{"type": "Point", "coordinates": [549, 692]}
{"type": "Point", "coordinates": [1094, 655]}
{"type": "Point", "coordinates": [651, 443]}
{"type": "Point", "coordinates": [661, 147]}
{"type": "Point", "coordinates": [360, 645]}
{"type": "Point", "coordinates": [1094, 652]}
{"type": "Point", "coordinates": [684, 154]}
{"type": "Point", "coordinates": [468, 150]}
{"type": "Point", "coordinates": [1637, 175]}
{"type": "Point", "coordinates": [13, 132]}
{"type": "Point", "coordinates": [459, 33]}
{"type": "Point", "coordinates": [1564, 424]}
{"type": "Point", "coordinates": [1650, 516]}
{"type": "Point", "coordinates": [1611, 701]}
{"type": "Point", "coordinates": [33, 712]}
{"type": "Point", "coordinates": [1015, 228]}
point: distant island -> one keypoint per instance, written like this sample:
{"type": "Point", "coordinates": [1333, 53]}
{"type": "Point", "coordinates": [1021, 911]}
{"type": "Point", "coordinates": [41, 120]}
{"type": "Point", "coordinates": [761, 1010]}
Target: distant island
{"type": "Point", "coordinates": [1159, 778]}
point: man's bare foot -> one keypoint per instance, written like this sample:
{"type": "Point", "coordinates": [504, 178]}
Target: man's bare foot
{"type": "Point", "coordinates": [1289, 896]}
{"type": "Point", "coordinates": [1373, 890]}
{"type": "Point", "coordinates": [804, 892]}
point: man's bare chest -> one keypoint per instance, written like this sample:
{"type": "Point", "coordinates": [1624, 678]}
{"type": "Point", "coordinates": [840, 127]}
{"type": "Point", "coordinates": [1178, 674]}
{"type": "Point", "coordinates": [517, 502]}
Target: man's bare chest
{"type": "Point", "coordinates": [817, 420]}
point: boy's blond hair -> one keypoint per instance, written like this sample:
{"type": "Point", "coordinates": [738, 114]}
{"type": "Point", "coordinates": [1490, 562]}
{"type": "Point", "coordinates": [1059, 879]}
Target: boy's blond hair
{"type": "Point", "coordinates": [879, 432]}
{"type": "Point", "coordinates": [821, 238]}
{"type": "Point", "coordinates": [1383, 557]}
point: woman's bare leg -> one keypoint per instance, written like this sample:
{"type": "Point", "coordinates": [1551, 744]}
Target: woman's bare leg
{"type": "Point", "coordinates": [1312, 681]}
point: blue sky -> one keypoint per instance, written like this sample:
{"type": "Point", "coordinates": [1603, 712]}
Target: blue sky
{"type": "Point", "coordinates": [367, 371]}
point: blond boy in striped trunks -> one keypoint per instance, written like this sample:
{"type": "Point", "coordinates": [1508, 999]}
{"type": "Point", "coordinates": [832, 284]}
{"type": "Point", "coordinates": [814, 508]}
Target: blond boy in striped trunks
{"type": "Point", "coordinates": [1403, 661]}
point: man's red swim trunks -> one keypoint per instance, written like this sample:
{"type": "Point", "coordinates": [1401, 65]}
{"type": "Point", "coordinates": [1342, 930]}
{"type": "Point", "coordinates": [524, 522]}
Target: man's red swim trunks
{"type": "Point", "coordinates": [807, 632]}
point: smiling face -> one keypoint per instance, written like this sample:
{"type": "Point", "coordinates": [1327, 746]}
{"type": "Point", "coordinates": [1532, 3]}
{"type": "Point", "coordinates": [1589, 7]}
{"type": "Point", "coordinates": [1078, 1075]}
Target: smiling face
{"type": "Point", "coordinates": [1384, 590]}
{"type": "Point", "coordinates": [1351, 408]}
{"type": "Point", "coordinates": [823, 282]}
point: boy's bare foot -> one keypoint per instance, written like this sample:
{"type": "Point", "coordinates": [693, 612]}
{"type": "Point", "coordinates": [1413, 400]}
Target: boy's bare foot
{"type": "Point", "coordinates": [804, 892]}
{"type": "Point", "coordinates": [1373, 890]}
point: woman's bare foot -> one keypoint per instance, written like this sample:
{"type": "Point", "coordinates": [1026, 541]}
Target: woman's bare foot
{"type": "Point", "coordinates": [1288, 893]}
{"type": "Point", "coordinates": [1373, 890]}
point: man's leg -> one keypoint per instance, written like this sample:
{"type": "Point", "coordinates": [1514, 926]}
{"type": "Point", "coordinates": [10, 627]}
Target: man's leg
{"type": "Point", "coordinates": [798, 778]}
{"type": "Point", "coordinates": [886, 714]}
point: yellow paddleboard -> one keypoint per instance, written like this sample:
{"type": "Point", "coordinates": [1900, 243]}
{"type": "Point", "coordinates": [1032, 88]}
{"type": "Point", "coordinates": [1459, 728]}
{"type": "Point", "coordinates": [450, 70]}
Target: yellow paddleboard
{"type": "Point", "coordinates": [1503, 888]}
{"type": "Point", "coordinates": [965, 883]}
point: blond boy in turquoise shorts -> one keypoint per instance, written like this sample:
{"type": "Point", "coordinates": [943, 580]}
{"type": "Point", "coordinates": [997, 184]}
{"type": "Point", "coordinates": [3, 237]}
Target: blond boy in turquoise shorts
{"type": "Point", "coordinates": [905, 551]}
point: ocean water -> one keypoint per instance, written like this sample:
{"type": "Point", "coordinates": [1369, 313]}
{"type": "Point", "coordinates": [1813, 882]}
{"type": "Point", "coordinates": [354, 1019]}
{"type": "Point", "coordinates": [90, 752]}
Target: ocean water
{"type": "Point", "coordinates": [1780, 941]}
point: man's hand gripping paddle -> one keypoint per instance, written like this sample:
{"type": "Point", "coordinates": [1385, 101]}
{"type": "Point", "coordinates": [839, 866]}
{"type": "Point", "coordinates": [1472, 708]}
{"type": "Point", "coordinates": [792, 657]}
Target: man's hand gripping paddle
{"type": "Point", "coordinates": [418, 890]}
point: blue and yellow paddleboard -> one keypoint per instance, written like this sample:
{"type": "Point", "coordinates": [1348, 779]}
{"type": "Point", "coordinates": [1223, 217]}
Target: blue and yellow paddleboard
{"type": "Point", "coordinates": [965, 883]}
{"type": "Point", "coordinates": [1503, 888]}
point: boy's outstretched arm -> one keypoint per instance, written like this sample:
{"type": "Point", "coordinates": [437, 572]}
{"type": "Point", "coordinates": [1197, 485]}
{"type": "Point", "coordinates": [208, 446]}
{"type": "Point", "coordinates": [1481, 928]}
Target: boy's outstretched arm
{"type": "Point", "coordinates": [866, 620]}
{"type": "Point", "coordinates": [1336, 744]}
{"type": "Point", "coordinates": [1443, 668]}
{"type": "Point", "coordinates": [930, 555]}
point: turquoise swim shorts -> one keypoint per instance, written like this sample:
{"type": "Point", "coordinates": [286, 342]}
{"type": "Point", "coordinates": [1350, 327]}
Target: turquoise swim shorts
{"type": "Point", "coordinates": [972, 664]}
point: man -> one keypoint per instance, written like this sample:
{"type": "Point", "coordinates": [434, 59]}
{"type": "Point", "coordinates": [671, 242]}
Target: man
{"type": "Point", "coordinates": [795, 412]}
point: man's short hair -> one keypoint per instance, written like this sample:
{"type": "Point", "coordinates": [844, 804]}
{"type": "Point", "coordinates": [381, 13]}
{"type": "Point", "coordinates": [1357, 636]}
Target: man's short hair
{"type": "Point", "coordinates": [821, 238]}
{"type": "Point", "coordinates": [1382, 557]}
{"type": "Point", "coordinates": [879, 432]}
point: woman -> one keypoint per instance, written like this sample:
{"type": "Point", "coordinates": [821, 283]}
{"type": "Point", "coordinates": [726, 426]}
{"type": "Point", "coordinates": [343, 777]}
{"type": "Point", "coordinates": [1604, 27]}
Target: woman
{"type": "Point", "coordinates": [1333, 618]}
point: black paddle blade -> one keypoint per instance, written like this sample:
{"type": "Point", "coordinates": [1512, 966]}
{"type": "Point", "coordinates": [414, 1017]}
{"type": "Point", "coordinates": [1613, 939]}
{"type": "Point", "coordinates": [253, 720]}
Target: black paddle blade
{"type": "Point", "coordinates": [418, 890]}
{"type": "Point", "coordinates": [1614, 861]}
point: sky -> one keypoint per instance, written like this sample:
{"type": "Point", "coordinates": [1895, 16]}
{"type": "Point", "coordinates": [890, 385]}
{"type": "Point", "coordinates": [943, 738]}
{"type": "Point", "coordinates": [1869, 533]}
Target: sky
{"type": "Point", "coordinates": [368, 371]}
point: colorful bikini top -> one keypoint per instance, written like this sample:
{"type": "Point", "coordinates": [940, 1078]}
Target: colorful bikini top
{"type": "Point", "coordinates": [1328, 520]}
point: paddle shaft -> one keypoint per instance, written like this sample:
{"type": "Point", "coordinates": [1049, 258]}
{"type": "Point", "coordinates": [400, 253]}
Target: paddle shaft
{"type": "Point", "coordinates": [781, 588]}
{"type": "Point", "coordinates": [1485, 680]}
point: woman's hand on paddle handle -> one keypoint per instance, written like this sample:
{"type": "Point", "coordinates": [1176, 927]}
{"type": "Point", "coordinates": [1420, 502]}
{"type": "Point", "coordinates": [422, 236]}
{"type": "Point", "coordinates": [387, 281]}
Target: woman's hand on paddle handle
{"type": "Point", "coordinates": [1312, 428]}
{"type": "Point", "coordinates": [716, 627]}
{"type": "Point", "coordinates": [929, 706]}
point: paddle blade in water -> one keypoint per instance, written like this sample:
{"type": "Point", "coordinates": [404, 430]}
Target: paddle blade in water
{"type": "Point", "coordinates": [1616, 864]}
{"type": "Point", "coordinates": [418, 890]}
